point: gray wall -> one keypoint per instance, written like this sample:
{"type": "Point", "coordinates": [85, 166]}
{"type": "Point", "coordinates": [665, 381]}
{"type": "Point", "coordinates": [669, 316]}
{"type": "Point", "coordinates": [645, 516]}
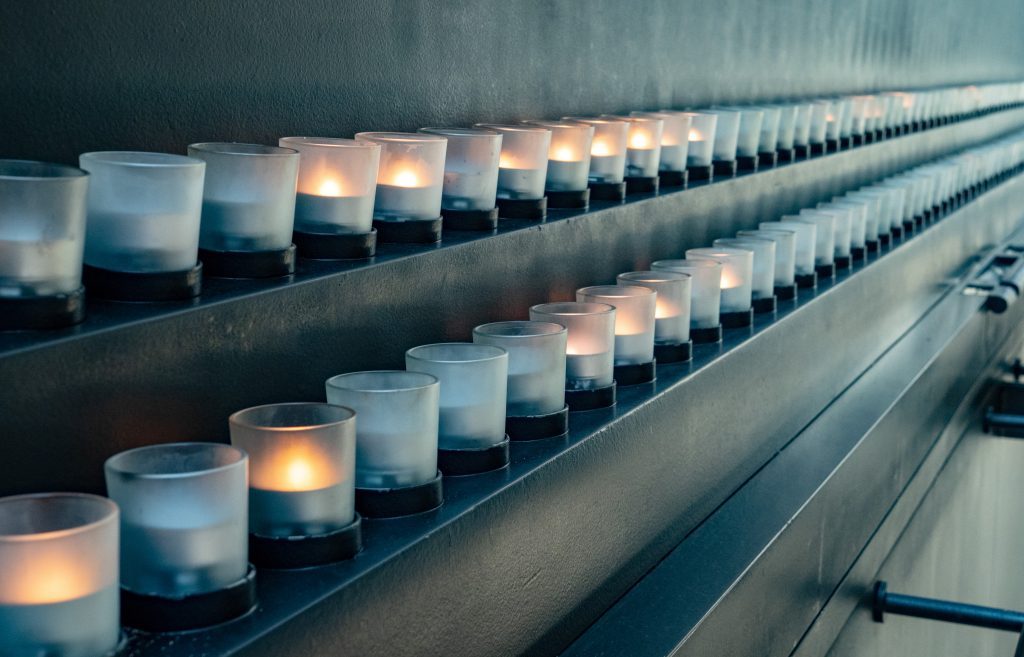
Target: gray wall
{"type": "Point", "coordinates": [80, 75]}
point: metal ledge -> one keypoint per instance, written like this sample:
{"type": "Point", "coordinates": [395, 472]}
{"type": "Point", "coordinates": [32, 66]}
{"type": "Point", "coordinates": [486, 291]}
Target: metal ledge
{"type": "Point", "coordinates": [853, 476]}
{"type": "Point", "coordinates": [499, 569]}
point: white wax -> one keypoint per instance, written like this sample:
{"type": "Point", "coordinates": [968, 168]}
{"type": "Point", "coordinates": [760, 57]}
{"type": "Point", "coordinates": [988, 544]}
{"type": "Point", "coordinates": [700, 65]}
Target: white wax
{"type": "Point", "coordinates": [735, 299]}
{"type": "Point", "coordinates": [239, 226]}
{"type": "Point", "coordinates": [520, 183]}
{"type": "Point", "coordinates": [39, 268]}
{"type": "Point", "coordinates": [134, 242]}
{"type": "Point", "coordinates": [333, 214]}
{"type": "Point", "coordinates": [301, 513]}
{"type": "Point", "coordinates": [468, 191]}
{"type": "Point", "coordinates": [634, 348]}
{"type": "Point", "coordinates": [588, 371]}
{"type": "Point", "coordinates": [699, 154]}
{"type": "Point", "coordinates": [673, 158]}
{"type": "Point", "coordinates": [671, 330]}
{"type": "Point", "coordinates": [607, 168]}
{"type": "Point", "coordinates": [642, 162]}
{"type": "Point", "coordinates": [468, 426]}
{"type": "Point", "coordinates": [407, 203]}
{"type": "Point", "coordinates": [83, 627]}
{"type": "Point", "coordinates": [566, 176]}
{"type": "Point", "coordinates": [394, 459]}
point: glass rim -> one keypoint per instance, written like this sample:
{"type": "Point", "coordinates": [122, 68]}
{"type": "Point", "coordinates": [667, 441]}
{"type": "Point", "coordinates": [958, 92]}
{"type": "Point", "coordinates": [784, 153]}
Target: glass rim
{"type": "Point", "coordinates": [687, 262]}
{"type": "Point", "coordinates": [650, 275]}
{"type": "Point", "coordinates": [629, 291]}
{"type": "Point", "coordinates": [63, 172]}
{"type": "Point", "coordinates": [236, 148]}
{"type": "Point", "coordinates": [558, 124]}
{"type": "Point", "coordinates": [594, 120]}
{"type": "Point", "coordinates": [469, 133]}
{"type": "Point", "coordinates": [725, 252]}
{"type": "Point", "coordinates": [240, 458]}
{"type": "Point", "coordinates": [238, 417]}
{"type": "Point", "coordinates": [398, 137]}
{"type": "Point", "coordinates": [744, 238]}
{"type": "Point", "coordinates": [510, 127]}
{"type": "Point", "coordinates": [143, 159]}
{"type": "Point", "coordinates": [496, 354]}
{"type": "Point", "coordinates": [598, 308]}
{"type": "Point", "coordinates": [520, 322]}
{"type": "Point", "coordinates": [784, 231]}
{"type": "Point", "coordinates": [427, 381]}
{"type": "Point", "coordinates": [329, 142]}
{"type": "Point", "coordinates": [631, 118]}
{"type": "Point", "coordinates": [111, 515]}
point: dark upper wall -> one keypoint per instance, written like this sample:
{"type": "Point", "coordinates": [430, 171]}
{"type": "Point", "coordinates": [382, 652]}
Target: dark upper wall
{"type": "Point", "coordinates": [80, 75]}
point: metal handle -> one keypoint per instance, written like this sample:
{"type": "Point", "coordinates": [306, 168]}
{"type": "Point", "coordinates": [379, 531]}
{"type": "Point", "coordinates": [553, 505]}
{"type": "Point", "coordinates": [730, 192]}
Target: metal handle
{"type": "Point", "coordinates": [944, 610]}
{"type": "Point", "coordinates": [1011, 283]}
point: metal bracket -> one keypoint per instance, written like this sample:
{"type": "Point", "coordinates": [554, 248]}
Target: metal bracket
{"type": "Point", "coordinates": [884, 602]}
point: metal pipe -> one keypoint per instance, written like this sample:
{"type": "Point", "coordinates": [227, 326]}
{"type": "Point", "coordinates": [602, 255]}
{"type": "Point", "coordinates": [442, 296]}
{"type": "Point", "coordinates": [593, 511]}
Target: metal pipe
{"type": "Point", "coordinates": [944, 610]}
{"type": "Point", "coordinates": [1002, 421]}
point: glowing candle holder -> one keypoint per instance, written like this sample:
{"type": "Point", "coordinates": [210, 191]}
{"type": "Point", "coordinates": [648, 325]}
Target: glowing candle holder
{"type": "Point", "coordinates": [643, 151]}
{"type": "Point", "coordinates": [248, 209]}
{"type": "Point", "coordinates": [802, 131]}
{"type": "Point", "coordinates": [700, 143]}
{"type": "Point", "coordinates": [470, 177]}
{"type": "Point", "coordinates": [396, 439]}
{"type": "Point", "coordinates": [42, 235]}
{"type": "Point", "coordinates": [736, 288]}
{"type": "Point", "coordinates": [705, 296]}
{"type": "Point", "coordinates": [768, 141]}
{"type": "Point", "coordinates": [845, 108]}
{"type": "Point", "coordinates": [184, 535]}
{"type": "Point", "coordinates": [805, 238]}
{"type": "Point", "coordinates": [142, 226]}
{"type": "Point", "coordinates": [522, 170]}
{"type": "Point", "coordinates": [635, 308]}
{"type": "Point", "coordinates": [672, 312]}
{"type": "Point", "coordinates": [784, 280]}
{"type": "Point", "coordinates": [410, 181]}
{"type": "Point", "coordinates": [607, 157]}
{"type": "Point", "coordinates": [860, 117]}
{"type": "Point", "coordinates": [674, 146]}
{"type": "Point", "coordinates": [590, 351]}
{"type": "Point", "coordinates": [474, 382]}
{"type": "Point", "coordinates": [833, 124]}
{"type": "Point", "coordinates": [748, 138]}
{"type": "Point", "coordinates": [841, 223]}
{"type": "Point", "coordinates": [824, 241]}
{"type": "Point", "coordinates": [58, 576]}
{"type": "Point", "coordinates": [566, 185]}
{"type": "Point", "coordinates": [535, 404]}
{"type": "Point", "coordinates": [762, 278]}
{"type": "Point", "coordinates": [727, 136]}
{"type": "Point", "coordinates": [301, 483]}
{"type": "Point", "coordinates": [820, 112]}
{"type": "Point", "coordinates": [788, 114]}
{"type": "Point", "coordinates": [334, 202]}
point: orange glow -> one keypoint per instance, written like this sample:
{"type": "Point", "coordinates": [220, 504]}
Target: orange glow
{"type": "Point", "coordinates": [729, 279]}
{"type": "Point", "coordinates": [695, 135]}
{"type": "Point", "coordinates": [639, 139]}
{"type": "Point", "coordinates": [329, 187]}
{"type": "Point", "coordinates": [292, 469]}
{"type": "Point", "coordinates": [664, 310]}
{"type": "Point", "coordinates": [626, 325]}
{"type": "Point", "coordinates": [829, 117]}
{"type": "Point", "coordinates": [406, 178]}
{"type": "Point", "coordinates": [564, 154]}
{"type": "Point", "coordinates": [600, 148]}
{"type": "Point", "coordinates": [52, 578]}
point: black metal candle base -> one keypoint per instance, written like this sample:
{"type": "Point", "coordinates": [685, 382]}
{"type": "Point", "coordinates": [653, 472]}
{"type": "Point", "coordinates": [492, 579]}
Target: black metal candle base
{"type": "Point", "coordinates": [843, 262]}
{"type": "Point", "coordinates": [336, 246]}
{"type": "Point", "coordinates": [409, 232]}
{"type": "Point", "coordinates": [885, 239]}
{"type": "Point", "coordinates": [910, 226]}
{"type": "Point", "coordinates": [132, 286]}
{"type": "Point", "coordinates": [879, 135]}
{"type": "Point", "coordinates": [845, 143]}
{"type": "Point", "coordinates": [746, 164]}
{"type": "Point", "coordinates": [896, 233]}
{"type": "Point", "coordinates": [801, 152]}
{"type": "Point", "coordinates": [816, 149]}
{"type": "Point", "coordinates": [673, 353]}
{"type": "Point", "coordinates": [785, 292]}
{"type": "Point", "coordinates": [636, 373]}
{"type": "Point", "coordinates": [828, 272]}
{"type": "Point", "coordinates": [701, 173]}
{"type": "Point", "coordinates": [590, 400]}
{"type": "Point", "coordinates": [764, 305]}
{"type": "Point", "coordinates": [154, 613]}
{"type": "Point", "coordinates": [673, 179]}
{"type": "Point", "coordinates": [578, 200]}
{"type": "Point", "coordinates": [604, 191]}
{"type": "Point", "coordinates": [289, 552]}
{"type": "Point", "coordinates": [858, 253]}
{"type": "Point", "coordinates": [724, 168]}
{"type": "Point", "coordinates": [538, 427]}
{"type": "Point", "coordinates": [768, 160]}
{"type": "Point", "coordinates": [807, 281]}
{"type": "Point", "coordinates": [394, 502]}
{"type": "Point", "coordinates": [49, 312]}
{"type": "Point", "coordinates": [462, 462]}
{"type": "Point", "coordinates": [737, 319]}
{"type": "Point", "coordinates": [858, 140]}
{"type": "Point", "coordinates": [706, 335]}
{"type": "Point", "coordinates": [785, 155]}
{"type": "Point", "coordinates": [832, 145]}
{"type": "Point", "coordinates": [889, 132]}
{"type": "Point", "coordinates": [642, 184]}
{"type": "Point", "coordinates": [397, 502]}
{"type": "Point", "coordinates": [248, 264]}
{"type": "Point", "coordinates": [483, 220]}
{"type": "Point", "coordinates": [523, 208]}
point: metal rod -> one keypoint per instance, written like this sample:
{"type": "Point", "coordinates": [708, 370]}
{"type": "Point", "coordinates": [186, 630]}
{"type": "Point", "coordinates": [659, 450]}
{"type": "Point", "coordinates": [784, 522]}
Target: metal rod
{"type": "Point", "coordinates": [1001, 421]}
{"type": "Point", "coordinates": [944, 610]}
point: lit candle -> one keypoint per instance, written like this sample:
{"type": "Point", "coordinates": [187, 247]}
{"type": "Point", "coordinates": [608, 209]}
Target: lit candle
{"type": "Point", "coordinates": [302, 465]}
{"type": "Point", "coordinates": [701, 138]}
{"type": "Point", "coordinates": [634, 319]}
{"type": "Point", "coordinates": [737, 270]}
{"type": "Point", "coordinates": [523, 166]}
{"type": "Point", "coordinates": [608, 148]}
{"type": "Point", "coordinates": [590, 345]}
{"type": "Point", "coordinates": [410, 178]}
{"type": "Point", "coordinates": [58, 575]}
{"type": "Point", "coordinates": [470, 167]}
{"type": "Point", "coordinates": [536, 364]}
{"type": "Point", "coordinates": [643, 153]}
{"type": "Point", "coordinates": [705, 288]}
{"type": "Point", "coordinates": [568, 156]}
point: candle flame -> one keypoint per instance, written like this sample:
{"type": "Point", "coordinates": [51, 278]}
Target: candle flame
{"type": "Point", "coordinates": [329, 187]}
{"type": "Point", "coordinates": [640, 140]}
{"type": "Point", "coordinates": [293, 468]}
{"type": "Point", "coordinates": [48, 581]}
{"type": "Point", "coordinates": [564, 154]}
{"type": "Point", "coordinates": [729, 280]}
{"type": "Point", "coordinates": [299, 475]}
{"type": "Point", "coordinates": [600, 148]}
{"type": "Point", "coordinates": [664, 310]}
{"type": "Point", "coordinates": [695, 135]}
{"type": "Point", "coordinates": [406, 179]}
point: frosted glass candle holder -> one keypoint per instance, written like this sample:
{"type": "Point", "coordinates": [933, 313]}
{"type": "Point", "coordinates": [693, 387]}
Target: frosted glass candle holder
{"type": "Point", "coordinates": [301, 467]}
{"type": "Point", "coordinates": [858, 211]}
{"type": "Point", "coordinates": [470, 168]}
{"type": "Point", "coordinates": [762, 280]}
{"type": "Point", "coordinates": [845, 108]}
{"type": "Point", "coordinates": [727, 134]}
{"type": "Point", "coordinates": [785, 257]}
{"type": "Point", "coordinates": [702, 138]}
{"type": "Point", "coordinates": [634, 319]}
{"type": "Point", "coordinates": [184, 517]}
{"type": "Point", "coordinates": [833, 120]}
{"type": "Point", "coordinates": [705, 295]}
{"type": "Point", "coordinates": [672, 303]}
{"type": "Point", "coordinates": [59, 592]}
{"type": "Point", "coordinates": [768, 141]}
{"type": "Point", "coordinates": [841, 220]}
{"type": "Point", "coordinates": [607, 150]}
{"type": "Point", "coordinates": [824, 241]}
{"type": "Point", "coordinates": [820, 110]}
{"type": "Point", "coordinates": [590, 341]}
{"type": "Point", "coordinates": [397, 427]}
{"type": "Point", "coordinates": [523, 167]}
{"type": "Point", "coordinates": [802, 126]}
{"type": "Point", "coordinates": [248, 196]}
{"type": "Point", "coordinates": [568, 156]}
{"type": "Point", "coordinates": [675, 135]}
{"type": "Point", "coordinates": [143, 211]}
{"type": "Point", "coordinates": [536, 364]}
{"type": "Point", "coordinates": [474, 379]}
{"type": "Point", "coordinates": [737, 275]}
{"type": "Point", "coordinates": [410, 178]}
{"type": "Point", "coordinates": [787, 128]}
{"type": "Point", "coordinates": [876, 216]}
{"type": "Point", "coordinates": [643, 144]}
{"type": "Point", "coordinates": [805, 238]}
{"type": "Point", "coordinates": [749, 134]}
